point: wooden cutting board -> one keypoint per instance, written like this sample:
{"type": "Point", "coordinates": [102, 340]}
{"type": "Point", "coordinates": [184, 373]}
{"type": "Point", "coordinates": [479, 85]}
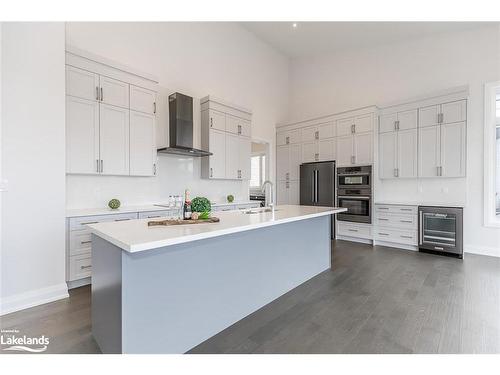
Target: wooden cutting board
{"type": "Point", "coordinates": [154, 223]}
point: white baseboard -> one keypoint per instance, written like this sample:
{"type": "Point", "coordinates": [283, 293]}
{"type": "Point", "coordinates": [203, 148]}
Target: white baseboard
{"type": "Point", "coordinates": [80, 282]}
{"type": "Point", "coordinates": [482, 250]}
{"type": "Point", "coordinates": [33, 298]}
{"type": "Point", "coordinates": [396, 245]}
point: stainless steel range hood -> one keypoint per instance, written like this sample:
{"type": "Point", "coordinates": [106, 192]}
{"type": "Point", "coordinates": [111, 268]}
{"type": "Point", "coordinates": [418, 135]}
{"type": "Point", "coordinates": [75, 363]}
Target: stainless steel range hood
{"type": "Point", "coordinates": [181, 127]}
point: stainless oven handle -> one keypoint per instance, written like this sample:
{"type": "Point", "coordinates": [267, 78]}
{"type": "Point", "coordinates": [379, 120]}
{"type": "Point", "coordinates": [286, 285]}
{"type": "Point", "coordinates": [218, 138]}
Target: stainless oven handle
{"type": "Point", "coordinates": [354, 197]}
{"type": "Point", "coordinates": [352, 174]}
{"type": "Point", "coordinates": [421, 228]}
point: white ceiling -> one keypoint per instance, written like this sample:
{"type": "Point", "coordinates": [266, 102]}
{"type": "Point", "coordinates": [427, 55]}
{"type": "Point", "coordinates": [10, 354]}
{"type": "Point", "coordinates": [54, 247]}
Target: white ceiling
{"type": "Point", "coordinates": [316, 38]}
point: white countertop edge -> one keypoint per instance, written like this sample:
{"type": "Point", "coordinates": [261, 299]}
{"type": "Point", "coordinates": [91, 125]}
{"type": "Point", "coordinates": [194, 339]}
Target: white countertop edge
{"type": "Point", "coordinates": [200, 236]}
{"type": "Point", "coordinates": [80, 212]}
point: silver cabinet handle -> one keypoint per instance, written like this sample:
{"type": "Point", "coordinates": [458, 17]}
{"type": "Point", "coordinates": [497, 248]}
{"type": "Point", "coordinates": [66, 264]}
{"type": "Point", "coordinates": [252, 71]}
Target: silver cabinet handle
{"type": "Point", "coordinates": [396, 125]}
{"type": "Point", "coordinates": [287, 140]}
{"type": "Point", "coordinates": [383, 208]}
{"type": "Point", "coordinates": [96, 93]}
{"type": "Point", "coordinates": [402, 236]}
{"type": "Point", "coordinates": [154, 169]}
{"type": "Point", "coordinates": [153, 216]}
{"type": "Point", "coordinates": [406, 221]}
{"type": "Point", "coordinates": [85, 242]}
{"type": "Point", "coordinates": [383, 219]}
{"type": "Point", "coordinates": [438, 248]}
{"type": "Point", "coordinates": [211, 172]}
{"type": "Point", "coordinates": [287, 176]}
{"type": "Point", "coordinates": [122, 219]}
{"type": "Point", "coordinates": [352, 128]}
{"type": "Point", "coordinates": [383, 234]}
{"type": "Point", "coordinates": [316, 134]}
{"type": "Point", "coordinates": [102, 166]}
{"type": "Point", "coordinates": [97, 166]}
{"type": "Point", "coordinates": [85, 267]}
{"type": "Point", "coordinates": [211, 122]}
{"type": "Point", "coordinates": [102, 95]}
{"type": "Point", "coordinates": [352, 230]}
{"type": "Point", "coordinates": [405, 209]}
{"type": "Point", "coordinates": [316, 156]}
{"type": "Point", "coordinates": [89, 222]}
{"type": "Point", "coordinates": [154, 107]}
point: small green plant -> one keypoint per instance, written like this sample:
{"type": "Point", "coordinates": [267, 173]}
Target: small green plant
{"type": "Point", "coordinates": [201, 204]}
{"type": "Point", "coordinates": [204, 215]}
{"type": "Point", "coordinates": [114, 204]}
{"type": "Point", "coordinates": [230, 198]}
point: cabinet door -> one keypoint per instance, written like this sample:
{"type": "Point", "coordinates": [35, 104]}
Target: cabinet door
{"type": "Point", "coordinates": [363, 124]}
{"type": "Point", "coordinates": [407, 119]}
{"type": "Point", "coordinates": [281, 139]}
{"type": "Point", "coordinates": [282, 192]}
{"type": "Point", "coordinates": [282, 162]}
{"type": "Point", "coordinates": [82, 135]}
{"type": "Point", "coordinates": [310, 152]}
{"type": "Point", "coordinates": [294, 160]}
{"type": "Point", "coordinates": [293, 192]}
{"type": "Point", "coordinates": [327, 149]}
{"type": "Point", "coordinates": [246, 128]}
{"type": "Point", "coordinates": [142, 144]}
{"type": "Point", "coordinates": [453, 149]}
{"type": "Point", "coordinates": [217, 120]}
{"type": "Point", "coordinates": [114, 92]}
{"type": "Point", "coordinates": [81, 83]}
{"type": "Point", "coordinates": [217, 161]}
{"type": "Point", "coordinates": [294, 136]}
{"type": "Point", "coordinates": [363, 148]}
{"type": "Point", "coordinates": [428, 151]}
{"type": "Point", "coordinates": [310, 134]}
{"type": "Point", "coordinates": [344, 150]}
{"type": "Point", "coordinates": [114, 142]}
{"type": "Point", "coordinates": [387, 154]}
{"type": "Point", "coordinates": [232, 124]}
{"type": "Point", "coordinates": [244, 153]}
{"type": "Point", "coordinates": [142, 100]}
{"type": "Point", "coordinates": [232, 156]}
{"type": "Point", "coordinates": [407, 153]}
{"type": "Point", "coordinates": [387, 123]}
{"type": "Point", "coordinates": [428, 116]}
{"type": "Point", "coordinates": [326, 130]}
{"type": "Point", "coordinates": [344, 126]}
{"type": "Point", "coordinates": [454, 111]}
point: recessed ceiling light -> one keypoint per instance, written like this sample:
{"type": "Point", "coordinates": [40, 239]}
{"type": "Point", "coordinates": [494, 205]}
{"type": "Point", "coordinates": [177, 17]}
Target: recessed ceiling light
{"type": "Point", "coordinates": [294, 25]}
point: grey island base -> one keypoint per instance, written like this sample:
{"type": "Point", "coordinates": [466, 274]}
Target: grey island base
{"type": "Point", "coordinates": [172, 298]}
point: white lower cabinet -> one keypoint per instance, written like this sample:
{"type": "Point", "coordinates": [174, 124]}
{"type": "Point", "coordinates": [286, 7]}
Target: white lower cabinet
{"type": "Point", "coordinates": [354, 230]}
{"type": "Point", "coordinates": [396, 225]}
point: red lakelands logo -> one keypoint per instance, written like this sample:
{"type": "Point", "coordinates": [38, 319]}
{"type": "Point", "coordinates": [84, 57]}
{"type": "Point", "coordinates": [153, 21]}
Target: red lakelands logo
{"type": "Point", "coordinates": [12, 341]}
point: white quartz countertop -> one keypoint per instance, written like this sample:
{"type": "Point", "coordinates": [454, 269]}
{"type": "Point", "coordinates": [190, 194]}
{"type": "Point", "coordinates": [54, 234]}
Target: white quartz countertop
{"type": "Point", "coordinates": [77, 212]}
{"type": "Point", "coordinates": [135, 235]}
{"type": "Point", "coordinates": [420, 203]}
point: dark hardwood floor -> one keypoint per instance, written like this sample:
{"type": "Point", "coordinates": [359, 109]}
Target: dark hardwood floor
{"type": "Point", "coordinates": [374, 300]}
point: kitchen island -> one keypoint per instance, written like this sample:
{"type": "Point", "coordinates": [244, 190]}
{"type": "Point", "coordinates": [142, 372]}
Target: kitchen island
{"type": "Point", "coordinates": [166, 289]}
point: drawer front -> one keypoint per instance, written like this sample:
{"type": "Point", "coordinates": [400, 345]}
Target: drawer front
{"type": "Point", "coordinates": [247, 206]}
{"type": "Point", "coordinates": [80, 223]}
{"type": "Point", "coordinates": [154, 214]}
{"type": "Point", "coordinates": [395, 220]}
{"type": "Point", "coordinates": [393, 209]}
{"type": "Point", "coordinates": [226, 208]}
{"type": "Point", "coordinates": [352, 230]}
{"type": "Point", "coordinates": [80, 242]}
{"type": "Point", "coordinates": [80, 266]}
{"type": "Point", "coordinates": [408, 237]}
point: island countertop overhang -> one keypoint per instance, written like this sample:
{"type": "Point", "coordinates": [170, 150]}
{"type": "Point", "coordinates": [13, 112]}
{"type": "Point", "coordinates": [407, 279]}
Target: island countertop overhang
{"type": "Point", "coordinates": [135, 235]}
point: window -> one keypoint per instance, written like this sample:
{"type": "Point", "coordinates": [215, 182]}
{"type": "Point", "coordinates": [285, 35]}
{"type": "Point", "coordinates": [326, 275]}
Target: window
{"type": "Point", "coordinates": [492, 154]}
{"type": "Point", "coordinates": [257, 171]}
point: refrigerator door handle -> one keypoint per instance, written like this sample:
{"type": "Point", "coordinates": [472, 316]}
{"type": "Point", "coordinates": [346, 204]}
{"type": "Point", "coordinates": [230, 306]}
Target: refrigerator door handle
{"type": "Point", "coordinates": [316, 186]}
{"type": "Point", "coordinates": [313, 186]}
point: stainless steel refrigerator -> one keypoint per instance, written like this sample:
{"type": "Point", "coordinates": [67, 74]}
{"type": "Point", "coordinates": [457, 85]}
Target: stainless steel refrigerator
{"type": "Point", "coordinates": [317, 185]}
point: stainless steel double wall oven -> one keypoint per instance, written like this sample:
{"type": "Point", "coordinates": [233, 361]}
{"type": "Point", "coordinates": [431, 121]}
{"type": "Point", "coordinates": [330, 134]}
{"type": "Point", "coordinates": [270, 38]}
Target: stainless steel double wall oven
{"type": "Point", "coordinates": [354, 192]}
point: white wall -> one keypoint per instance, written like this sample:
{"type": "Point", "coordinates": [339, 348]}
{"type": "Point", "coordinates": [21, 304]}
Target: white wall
{"type": "Point", "coordinates": [357, 78]}
{"type": "Point", "coordinates": [198, 59]}
{"type": "Point", "coordinates": [33, 136]}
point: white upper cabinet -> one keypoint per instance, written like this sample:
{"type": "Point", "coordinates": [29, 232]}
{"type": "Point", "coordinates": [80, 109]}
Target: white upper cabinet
{"type": "Point", "coordinates": [142, 100]}
{"type": "Point", "coordinates": [225, 132]}
{"type": "Point", "coordinates": [363, 149]}
{"type": "Point", "coordinates": [114, 140]}
{"type": "Point", "coordinates": [407, 153]}
{"type": "Point", "coordinates": [295, 156]}
{"type": "Point", "coordinates": [217, 161]}
{"type": "Point", "coordinates": [310, 134]}
{"type": "Point", "coordinates": [453, 149]}
{"type": "Point", "coordinates": [363, 124]}
{"type": "Point", "coordinates": [345, 150]}
{"type": "Point", "coordinates": [327, 130]}
{"type": "Point", "coordinates": [310, 152]}
{"type": "Point", "coordinates": [232, 156]}
{"type": "Point", "coordinates": [407, 120]}
{"type": "Point", "coordinates": [387, 123]}
{"type": "Point", "coordinates": [114, 92]}
{"type": "Point", "coordinates": [345, 126]}
{"type": "Point", "coordinates": [327, 149]}
{"type": "Point", "coordinates": [283, 162]}
{"type": "Point", "coordinates": [82, 84]}
{"type": "Point", "coordinates": [288, 137]}
{"type": "Point", "coordinates": [454, 112]}
{"type": "Point", "coordinates": [142, 144]}
{"type": "Point", "coordinates": [82, 136]}
{"type": "Point", "coordinates": [387, 154]}
{"type": "Point", "coordinates": [429, 151]}
{"type": "Point", "coordinates": [428, 116]}
{"type": "Point", "coordinates": [217, 120]}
